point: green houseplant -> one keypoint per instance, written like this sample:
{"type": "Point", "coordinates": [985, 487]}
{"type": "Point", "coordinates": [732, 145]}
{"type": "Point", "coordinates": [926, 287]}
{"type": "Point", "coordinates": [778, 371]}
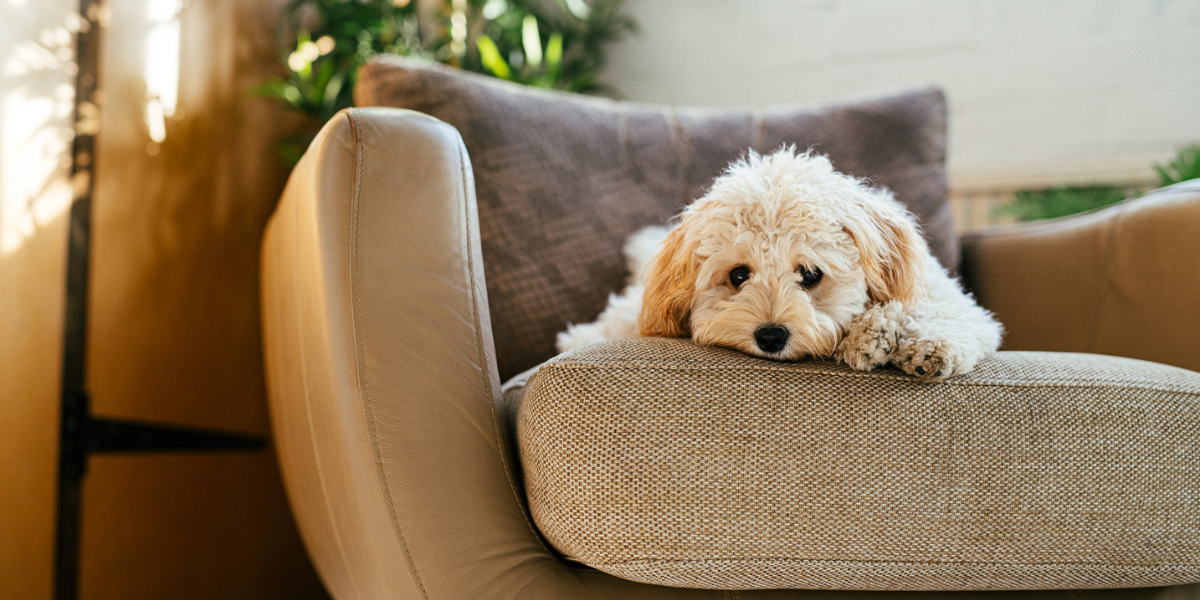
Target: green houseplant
{"type": "Point", "coordinates": [1061, 201]}
{"type": "Point", "coordinates": [1183, 167]}
{"type": "Point", "coordinates": [555, 44]}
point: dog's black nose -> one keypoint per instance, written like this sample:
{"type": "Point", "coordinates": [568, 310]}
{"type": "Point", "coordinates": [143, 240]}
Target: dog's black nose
{"type": "Point", "coordinates": [771, 338]}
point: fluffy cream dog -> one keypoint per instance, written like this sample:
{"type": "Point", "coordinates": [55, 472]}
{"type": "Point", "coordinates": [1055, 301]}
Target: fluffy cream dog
{"type": "Point", "coordinates": [786, 258]}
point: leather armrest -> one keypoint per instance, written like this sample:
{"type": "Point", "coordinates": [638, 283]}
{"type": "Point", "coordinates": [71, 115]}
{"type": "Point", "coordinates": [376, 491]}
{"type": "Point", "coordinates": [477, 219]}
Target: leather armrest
{"type": "Point", "coordinates": [382, 378]}
{"type": "Point", "coordinates": [1123, 280]}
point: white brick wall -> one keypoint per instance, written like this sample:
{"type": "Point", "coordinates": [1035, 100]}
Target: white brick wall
{"type": "Point", "coordinates": [1041, 92]}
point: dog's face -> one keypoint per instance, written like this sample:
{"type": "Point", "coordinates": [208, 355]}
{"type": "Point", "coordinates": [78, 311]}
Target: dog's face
{"type": "Point", "coordinates": [779, 257]}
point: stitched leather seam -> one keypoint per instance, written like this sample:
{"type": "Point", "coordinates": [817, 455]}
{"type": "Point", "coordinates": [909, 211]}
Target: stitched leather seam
{"type": "Point", "coordinates": [362, 363]}
{"type": "Point", "coordinates": [475, 313]}
{"type": "Point", "coordinates": [337, 535]}
{"type": "Point", "coordinates": [1108, 286]}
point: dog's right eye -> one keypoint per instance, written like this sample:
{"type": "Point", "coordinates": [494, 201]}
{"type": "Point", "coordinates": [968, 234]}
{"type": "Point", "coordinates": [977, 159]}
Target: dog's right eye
{"type": "Point", "coordinates": [738, 276]}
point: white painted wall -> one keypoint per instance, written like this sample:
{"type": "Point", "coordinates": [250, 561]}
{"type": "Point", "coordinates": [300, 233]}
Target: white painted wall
{"type": "Point", "coordinates": [1040, 91]}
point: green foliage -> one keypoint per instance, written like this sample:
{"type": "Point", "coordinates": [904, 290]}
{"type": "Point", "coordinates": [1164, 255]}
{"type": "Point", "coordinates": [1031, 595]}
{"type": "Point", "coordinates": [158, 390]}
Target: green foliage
{"type": "Point", "coordinates": [1185, 166]}
{"type": "Point", "coordinates": [546, 43]}
{"type": "Point", "coordinates": [324, 43]}
{"type": "Point", "coordinates": [557, 44]}
{"type": "Point", "coordinates": [1032, 205]}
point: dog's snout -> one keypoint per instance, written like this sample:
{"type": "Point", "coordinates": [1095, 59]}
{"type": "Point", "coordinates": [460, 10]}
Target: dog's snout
{"type": "Point", "coordinates": [771, 338]}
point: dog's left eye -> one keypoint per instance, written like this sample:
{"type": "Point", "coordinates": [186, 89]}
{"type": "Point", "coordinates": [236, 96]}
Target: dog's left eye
{"type": "Point", "coordinates": [738, 276]}
{"type": "Point", "coordinates": [809, 277]}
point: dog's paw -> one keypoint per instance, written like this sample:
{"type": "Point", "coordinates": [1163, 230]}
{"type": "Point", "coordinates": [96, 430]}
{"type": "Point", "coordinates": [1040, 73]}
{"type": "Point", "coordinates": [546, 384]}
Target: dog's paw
{"type": "Point", "coordinates": [932, 359]}
{"type": "Point", "coordinates": [872, 337]}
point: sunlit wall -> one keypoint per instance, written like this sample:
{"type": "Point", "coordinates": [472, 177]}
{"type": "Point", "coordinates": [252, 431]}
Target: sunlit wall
{"type": "Point", "coordinates": [1040, 92]}
{"type": "Point", "coordinates": [185, 180]}
{"type": "Point", "coordinates": [36, 89]}
{"type": "Point", "coordinates": [36, 101]}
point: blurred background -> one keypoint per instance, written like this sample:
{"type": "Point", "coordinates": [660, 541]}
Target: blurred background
{"type": "Point", "coordinates": [1041, 93]}
{"type": "Point", "coordinates": [1055, 106]}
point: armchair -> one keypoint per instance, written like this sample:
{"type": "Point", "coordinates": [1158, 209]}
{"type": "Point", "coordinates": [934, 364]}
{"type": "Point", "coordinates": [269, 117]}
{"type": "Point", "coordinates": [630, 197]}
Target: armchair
{"type": "Point", "coordinates": [385, 387]}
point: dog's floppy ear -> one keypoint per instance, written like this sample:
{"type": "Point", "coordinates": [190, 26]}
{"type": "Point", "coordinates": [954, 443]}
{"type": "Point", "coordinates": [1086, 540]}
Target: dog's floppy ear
{"type": "Point", "coordinates": [891, 249]}
{"type": "Point", "coordinates": [670, 285]}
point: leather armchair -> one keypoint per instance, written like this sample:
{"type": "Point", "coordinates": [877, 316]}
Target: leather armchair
{"type": "Point", "coordinates": [384, 389]}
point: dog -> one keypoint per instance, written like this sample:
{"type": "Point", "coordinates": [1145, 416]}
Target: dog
{"type": "Point", "coordinates": [785, 258]}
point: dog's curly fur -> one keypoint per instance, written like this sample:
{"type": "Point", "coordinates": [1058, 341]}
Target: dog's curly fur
{"type": "Point", "coordinates": [785, 242]}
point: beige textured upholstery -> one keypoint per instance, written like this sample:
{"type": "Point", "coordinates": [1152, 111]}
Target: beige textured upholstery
{"type": "Point", "coordinates": [662, 461]}
{"type": "Point", "coordinates": [383, 386]}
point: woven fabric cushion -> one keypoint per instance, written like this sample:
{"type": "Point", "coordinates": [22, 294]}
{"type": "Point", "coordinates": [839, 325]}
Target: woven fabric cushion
{"type": "Point", "coordinates": [664, 462]}
{"type": "Point", "coordinates": [562, 179]}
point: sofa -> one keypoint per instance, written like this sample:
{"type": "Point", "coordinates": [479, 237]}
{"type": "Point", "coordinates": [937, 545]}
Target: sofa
{"type": "Point", "coordinates": [393, 312]}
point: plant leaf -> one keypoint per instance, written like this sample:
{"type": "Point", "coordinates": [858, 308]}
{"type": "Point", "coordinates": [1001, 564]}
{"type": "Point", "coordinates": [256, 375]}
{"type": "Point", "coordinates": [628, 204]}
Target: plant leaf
{"type": "Point", "coordinates": [531, 39]}
{"type": "Point", "coordinates": [554, 50]}
{"type": "Point", "coordinates": [489, 55]}
{"type": "Point", "coordinates": [1183, 167]}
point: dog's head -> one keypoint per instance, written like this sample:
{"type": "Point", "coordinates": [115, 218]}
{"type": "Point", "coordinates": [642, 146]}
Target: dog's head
{"type": "Point", "coordinates": [778, 258]}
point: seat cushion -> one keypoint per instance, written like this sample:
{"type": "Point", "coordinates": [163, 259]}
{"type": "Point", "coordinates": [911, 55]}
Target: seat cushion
{"type": "Point", "coordinates": [562, 179]}
{"type": "Point", "coordinates": [664, 462]}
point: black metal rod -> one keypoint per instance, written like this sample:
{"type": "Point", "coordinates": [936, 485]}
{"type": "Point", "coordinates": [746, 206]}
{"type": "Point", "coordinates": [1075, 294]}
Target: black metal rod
{"type": "Point", "coordinates": [81, 434]}
{"type": "Point", "coordinates": [72, 459]}
{"type": "Point", "coordinates": [66, 549]}
{"type": "Point", "coordinates": [118, 435]}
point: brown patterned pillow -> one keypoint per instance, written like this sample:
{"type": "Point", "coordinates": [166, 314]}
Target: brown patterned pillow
{"type": "Point", "coordinates": [562, 179]}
